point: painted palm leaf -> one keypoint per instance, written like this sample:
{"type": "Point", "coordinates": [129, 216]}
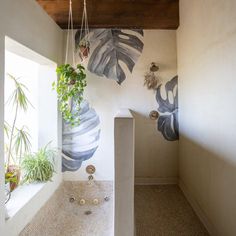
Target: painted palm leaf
{"type": "Point", "coordinates": [111, 48]}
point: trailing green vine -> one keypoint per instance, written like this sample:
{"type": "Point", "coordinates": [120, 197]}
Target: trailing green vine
{"type": "Point", "coordinates": [70, 88]}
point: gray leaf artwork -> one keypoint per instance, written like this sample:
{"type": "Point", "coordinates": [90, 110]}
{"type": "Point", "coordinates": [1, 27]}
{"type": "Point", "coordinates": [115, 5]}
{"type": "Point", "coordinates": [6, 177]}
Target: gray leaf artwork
{"type": "Point", "coordinates": [110, 49]}
{"type": "Point", "coordinates": [168, 123]}
{"type": "Point", "coordinates": [79, 143]}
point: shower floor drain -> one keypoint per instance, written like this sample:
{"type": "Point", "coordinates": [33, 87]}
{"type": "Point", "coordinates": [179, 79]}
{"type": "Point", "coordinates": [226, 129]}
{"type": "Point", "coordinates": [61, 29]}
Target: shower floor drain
{"type": "Point", "coordinates": [88, 213]}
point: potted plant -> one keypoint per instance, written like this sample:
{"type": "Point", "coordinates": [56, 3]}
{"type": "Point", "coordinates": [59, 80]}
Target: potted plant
{"type": "Point", "coordinates": [13, 174]}
{"type": "Point", "coordinates": [9, 178]}
{"type": "Point", "coordinates": [19, 139]}
{"type": "Point", "coordinates": [21, 145]}
{"type": "Point", "coordinates": [39, 166]}
{"type": "Point", "coordinates": [70, 89]}
{"type": "Point", "coordinates": [84, 47]}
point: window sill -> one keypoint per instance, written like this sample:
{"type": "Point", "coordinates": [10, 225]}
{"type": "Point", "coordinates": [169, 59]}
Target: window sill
{"type": "Point", "coordinates": [20, 197]}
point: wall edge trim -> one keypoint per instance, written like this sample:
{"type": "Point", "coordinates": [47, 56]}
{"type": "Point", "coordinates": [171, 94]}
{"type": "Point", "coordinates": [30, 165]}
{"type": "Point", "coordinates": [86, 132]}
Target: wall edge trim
{"type": "Point", "coordinates": [197, 209]}
{"type": "Point", "coordinates": [156, 181]}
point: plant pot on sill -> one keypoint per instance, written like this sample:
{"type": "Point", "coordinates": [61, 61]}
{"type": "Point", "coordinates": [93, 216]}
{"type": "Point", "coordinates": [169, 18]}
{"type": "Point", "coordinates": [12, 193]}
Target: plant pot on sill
{"type": "Point", "coordinates": [15, 171]}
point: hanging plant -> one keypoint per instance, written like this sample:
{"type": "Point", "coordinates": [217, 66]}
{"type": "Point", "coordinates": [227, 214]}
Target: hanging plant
{"type": "Point", "coordinates": [70, 88]}
{"type": "Point", "coordinates": [71, 82]}
{"type": "Point", "coordinates": [84, 44]}
{"type": "Point", "coordinates": [84, 48]}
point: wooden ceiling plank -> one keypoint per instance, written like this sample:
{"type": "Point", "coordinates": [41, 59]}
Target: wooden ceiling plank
{"type": "Point", "coordinates": [146, 14]}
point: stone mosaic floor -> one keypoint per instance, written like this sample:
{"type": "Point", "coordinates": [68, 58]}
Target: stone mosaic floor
{"type": "Point", "coordinates": [159, 211]}
{"type": "Point", "coordinates": [164, 211]}
{"type": "Point", "coordinates": [60, 217]}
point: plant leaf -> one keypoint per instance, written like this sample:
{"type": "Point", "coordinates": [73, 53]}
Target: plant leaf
{"type": "Point", "coordinates": [18, 95]}
{"type": "Point", "coordinates": [22, 144]}
{"type": "Point", "coordinates": [39, 167]}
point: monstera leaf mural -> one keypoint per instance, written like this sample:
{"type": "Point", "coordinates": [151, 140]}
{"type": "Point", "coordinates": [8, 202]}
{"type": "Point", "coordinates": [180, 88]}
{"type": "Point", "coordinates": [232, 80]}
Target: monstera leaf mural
{"type": "Point", "coordinates": [79, 143]}
{"type": "Point", "coordinates": [168, 123]}
{"type": "Point", "coordinates": [110, 48]}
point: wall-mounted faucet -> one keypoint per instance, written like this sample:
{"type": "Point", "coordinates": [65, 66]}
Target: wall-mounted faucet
{"type": "Point", "coordinates": [90, 169]}
{"type": "Point", "coordinates": [153, 115]}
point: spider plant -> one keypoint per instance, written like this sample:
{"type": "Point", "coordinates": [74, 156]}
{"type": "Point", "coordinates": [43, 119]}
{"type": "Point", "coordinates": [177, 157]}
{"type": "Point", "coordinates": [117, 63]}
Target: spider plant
{"type": "Point", "coordinates": [39, 166]}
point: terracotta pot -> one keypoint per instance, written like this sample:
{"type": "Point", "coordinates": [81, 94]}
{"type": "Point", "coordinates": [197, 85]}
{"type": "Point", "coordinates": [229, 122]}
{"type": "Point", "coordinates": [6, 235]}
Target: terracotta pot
{"type": "Point", "coordinates": [84, 51]}
{"type": "Point", "coordinates": [14, 169]}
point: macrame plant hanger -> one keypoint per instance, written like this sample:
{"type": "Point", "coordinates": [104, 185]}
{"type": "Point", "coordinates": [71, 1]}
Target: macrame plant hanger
{"type": "Point", "coordinates": [84, 45]}
{"type": "Point", "coordinates": [70, 36]}
{"type": "Point", "coordinates": [70, 33]}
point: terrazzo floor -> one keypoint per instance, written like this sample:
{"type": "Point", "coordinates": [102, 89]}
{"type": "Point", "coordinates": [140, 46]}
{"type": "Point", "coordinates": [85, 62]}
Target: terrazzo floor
{"type": "Point", "coordinates": [159, 211]}
{"type": "Point", "coordinates": [60, 217]}
{"type": "Point", "coordinates": [164, 211]}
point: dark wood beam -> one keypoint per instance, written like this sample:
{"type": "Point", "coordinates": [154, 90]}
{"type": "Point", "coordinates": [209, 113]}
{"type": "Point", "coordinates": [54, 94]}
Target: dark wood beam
{"type": "Point", "coordinates": [145, 14]}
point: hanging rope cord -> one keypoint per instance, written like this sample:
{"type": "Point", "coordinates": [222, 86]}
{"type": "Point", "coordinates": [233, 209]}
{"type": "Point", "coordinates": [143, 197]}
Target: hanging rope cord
{"type": "Point", "coordinates": [70, 32]}
{"type": "Point", "coordinates": [84, 24]}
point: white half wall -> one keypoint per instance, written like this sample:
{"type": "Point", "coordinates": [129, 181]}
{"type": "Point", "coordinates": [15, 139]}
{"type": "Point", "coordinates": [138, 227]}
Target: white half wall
{"type": "Point", "coordinates": [207, 94]}
{"type": "Point", "coordinates": [124, 173]}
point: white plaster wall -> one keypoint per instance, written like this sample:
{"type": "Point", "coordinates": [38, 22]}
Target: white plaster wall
{"type": "Point", "coordinates": [47, 108]}
{"type": "Point", "coordinates": [155, 158]}
{"type": "Point", "coordinates": [25, 22]}
{"type": "Point", "coordinates": [207, 95]}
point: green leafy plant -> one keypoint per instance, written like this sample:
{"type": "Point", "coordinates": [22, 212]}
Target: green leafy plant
{"type": "Point", "coordinates": [22, 144]}
{"type": "Point", "coordinates": [18, 140]}
{"type": "Point", "coordinates": [18, 100]}
{"type": "Point", "coordinates": [39, 167]}
{"type": "Point", "coordinates": [10, 177]}
{"type": "Point", "coordinates": [70, 89]}
{"type": "Point", "coordinates": [7, 130]}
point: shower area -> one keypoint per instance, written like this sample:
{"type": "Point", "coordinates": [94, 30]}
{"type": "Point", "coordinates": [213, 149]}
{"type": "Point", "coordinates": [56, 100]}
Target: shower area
{"type": "Point", "coordinates": [109, 107]}
{"type": "Point", "coordinates": [80, 208]}
{"type": "Point", "coordinates": [116, 118]}
{"type": "Point", "coordinates": [93, 207]}
{"type": "Point", "coordinates": [121, 139]}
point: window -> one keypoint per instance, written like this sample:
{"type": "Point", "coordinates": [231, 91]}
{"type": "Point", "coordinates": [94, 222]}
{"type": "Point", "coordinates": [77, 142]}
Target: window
{"type": "Point", "coordinates": [31, 120]}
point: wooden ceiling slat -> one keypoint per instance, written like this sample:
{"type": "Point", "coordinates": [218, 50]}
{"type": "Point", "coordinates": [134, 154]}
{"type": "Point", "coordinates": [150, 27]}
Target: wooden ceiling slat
{"type": "Point", "coordinates": [146, 14]}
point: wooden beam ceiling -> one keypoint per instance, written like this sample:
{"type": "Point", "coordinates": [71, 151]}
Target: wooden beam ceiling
{"type": "Point", "coordinates": [144, 14]}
